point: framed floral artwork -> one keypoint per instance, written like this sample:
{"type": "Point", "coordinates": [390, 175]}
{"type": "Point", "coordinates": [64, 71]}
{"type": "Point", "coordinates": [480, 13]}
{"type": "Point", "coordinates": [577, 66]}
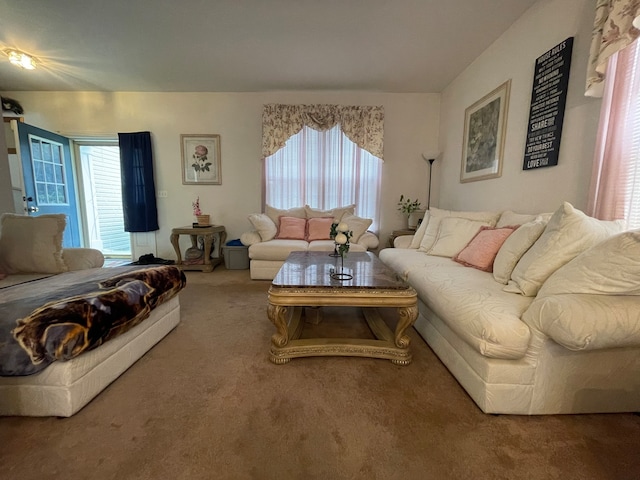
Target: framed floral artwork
{"type": "Point", "coordinates": [485, 125]}
{"type": "Point", "coordinates": [201, 162]}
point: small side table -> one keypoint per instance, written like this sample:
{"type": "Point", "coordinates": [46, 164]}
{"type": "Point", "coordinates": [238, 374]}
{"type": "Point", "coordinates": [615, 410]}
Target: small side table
{"type": "Point", "coordinates": [399, 233]}
{"type": "Point", "coordinates": [208, 233]}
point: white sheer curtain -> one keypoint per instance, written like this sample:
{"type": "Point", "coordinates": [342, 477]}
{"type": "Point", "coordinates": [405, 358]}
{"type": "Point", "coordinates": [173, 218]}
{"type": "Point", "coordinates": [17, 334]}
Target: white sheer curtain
{"type": "Point", "coordinates": [324, 170]}
{"type": "Point", "coordinates": [615, 183]}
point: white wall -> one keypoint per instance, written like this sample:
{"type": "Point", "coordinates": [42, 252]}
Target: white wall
{"type": "Point", "coordinates": [513, 56]}
{"type": "Point", "coordinates": [411, 127]}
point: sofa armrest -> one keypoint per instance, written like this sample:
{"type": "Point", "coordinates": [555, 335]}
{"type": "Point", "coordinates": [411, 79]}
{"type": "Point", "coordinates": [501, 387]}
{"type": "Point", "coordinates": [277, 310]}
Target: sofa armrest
{"type": "Point", "coordinates": [580, 321]}
{"type": "Point", "coordinates": [250, 238]}
{"type": "Point", "coordinates": [369, 240]}
{"type": "Point", "coordinates": [403, 241]}
{"type": "Point", "coordinates": [82, 258]}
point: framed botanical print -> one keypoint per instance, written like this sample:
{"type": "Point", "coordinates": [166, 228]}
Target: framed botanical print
{"type": "Point", "coordinates": [201, 162]}
{"type": "Point", "coordinates": [485, 125]}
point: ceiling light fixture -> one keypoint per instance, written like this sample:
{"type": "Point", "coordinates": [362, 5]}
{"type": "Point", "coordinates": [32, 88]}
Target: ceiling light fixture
{"type": "Point", "coordinates": [21, 59]}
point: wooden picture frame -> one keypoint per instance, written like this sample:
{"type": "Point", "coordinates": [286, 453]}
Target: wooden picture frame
{"type": "Point", "coordinates": [485, 126]}
{"type": "Point", "coordinates": [201, 162]}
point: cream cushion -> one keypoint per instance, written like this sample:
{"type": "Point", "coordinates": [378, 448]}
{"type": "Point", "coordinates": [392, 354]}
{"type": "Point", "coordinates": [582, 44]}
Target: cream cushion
{"type": "Point", "coordinates": [611, 267]}
{"type": "Point", "coordinates": [265, 227]}
{"type": "Point", "coordinates": [453, 235]}
{"type": "Point", "coordinates": [593, 301]}
{"type": "Point", "coordinates": [582, 321]}
{"type": "Point", "coordinates": [436, 215]}
{"type": "Point", "coordinates": [357, 225]}
{"type": "Point", "coordinates": [509, 218]}
{"type": "Point", "coordinates": [514, 247]}
{"type": "Point", "coordinates": [419, 235]}
{"type": "Point", "coordinates": [32, 244]}
{"type": "Point", "coordinates": [249, 238]}
{"type": "Point", "coordinates": [275, 213]}
{"type": "Point", "coordinates": [568, 233]}
{"type": "Point", "coordinates": [277, 249]}
{"type": "Point", "coordinates": [336, 213]}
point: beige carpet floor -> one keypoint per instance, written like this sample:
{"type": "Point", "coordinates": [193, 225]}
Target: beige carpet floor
{"type": "Point", "coordinates": [206, 403]}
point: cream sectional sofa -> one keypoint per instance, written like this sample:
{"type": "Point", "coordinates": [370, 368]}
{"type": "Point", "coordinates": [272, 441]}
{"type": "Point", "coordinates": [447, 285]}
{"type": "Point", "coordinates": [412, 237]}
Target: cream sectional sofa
{"type": "Point", "coordinates": [302, 229]}
{"type": "Point", "coordinates": [547, 322]}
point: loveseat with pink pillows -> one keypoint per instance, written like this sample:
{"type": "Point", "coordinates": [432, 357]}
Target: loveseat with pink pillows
{"type": "Point", "coordinates": [532, 314]}
{"type": "Point", "coordinates": [278, 232]}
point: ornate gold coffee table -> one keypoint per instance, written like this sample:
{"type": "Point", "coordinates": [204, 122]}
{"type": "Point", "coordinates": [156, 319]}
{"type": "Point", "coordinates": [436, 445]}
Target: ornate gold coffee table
{"type": "Point", "coordinates": [305, 281]}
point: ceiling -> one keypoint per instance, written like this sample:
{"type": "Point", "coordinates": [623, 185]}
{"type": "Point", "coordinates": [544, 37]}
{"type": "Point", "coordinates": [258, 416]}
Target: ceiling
{"type": "Point", "coordinates": [248, 45]}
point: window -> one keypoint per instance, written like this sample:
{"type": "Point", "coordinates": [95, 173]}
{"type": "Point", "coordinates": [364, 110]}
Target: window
{"type": "Point", "coordinates": [102, 194]}
{"type": "Point", "coordinates": [615, 188]}
{"type": "Point", "coordinates": [48, 168]}
{"type": "Point", "coordinates": [632, 184]}
{"type": "Point", "coordinates": [324, 170]}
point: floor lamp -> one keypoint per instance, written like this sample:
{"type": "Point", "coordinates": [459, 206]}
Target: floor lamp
{"type": "Point", "coordinates": [430, 160]}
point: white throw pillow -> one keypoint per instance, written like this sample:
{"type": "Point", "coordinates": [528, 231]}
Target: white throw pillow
{"type": "Point", "coordinates": [509, 218]}
{"type": "Point", "coordinates": [611, 267]}
{"type": "Point", "coordinates": [453, 235]}
{"type": "Point", "coordinates": [336, 213]}
{"type": "Point", "coordinates": [275, 213]}
{"type": "Point", "coordinates": [568, 233]}
{"type": "Point", "coordinates": [357, 225]}
{"type": "Point", "coordinates": [417, 237]}
{"type": "Point", "coordinates": [514, 247]}
{"type": "Point", "coordinates": [32, 244]}
{"type": "Point", "coordinates": [264, 226]}
{"type": "Point", "coordinates": [436, 215]}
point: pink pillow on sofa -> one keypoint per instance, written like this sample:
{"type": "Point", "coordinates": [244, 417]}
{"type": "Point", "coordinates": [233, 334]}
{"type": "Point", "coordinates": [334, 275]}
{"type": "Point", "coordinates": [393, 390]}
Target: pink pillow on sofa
{"type": "Point", "coordinates": [319, 228]}
{"type": "Point", "coordinates": [481, 251]}
{"type": "Point", "coordinates": [292, 228]}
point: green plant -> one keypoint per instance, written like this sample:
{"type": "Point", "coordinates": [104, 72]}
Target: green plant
{"type": "Point", "coordinates": [407, 206]}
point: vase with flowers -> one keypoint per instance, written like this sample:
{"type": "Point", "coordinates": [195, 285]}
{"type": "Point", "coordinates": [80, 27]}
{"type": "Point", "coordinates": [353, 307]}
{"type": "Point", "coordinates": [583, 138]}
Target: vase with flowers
{"type": "Point", "coordinates": [201, 218]}
{"type": "Point", "coordinates": [410, 208]}
{"type": "Point", "coordinates": [341, 235]}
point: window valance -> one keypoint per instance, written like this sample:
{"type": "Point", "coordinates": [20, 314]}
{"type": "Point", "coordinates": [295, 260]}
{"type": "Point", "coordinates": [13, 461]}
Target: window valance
{"type": "Point", "coordinates": [364, 126]}
{"type": "Point", "coordinates": [612, 31]}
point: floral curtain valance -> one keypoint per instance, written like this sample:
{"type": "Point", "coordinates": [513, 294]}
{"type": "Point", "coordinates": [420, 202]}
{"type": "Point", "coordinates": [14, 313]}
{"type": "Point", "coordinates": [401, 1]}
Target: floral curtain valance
{"type": "Point", "coordinates": [364, 126]}
{"type": "Point", "coordinates": [612, 31]}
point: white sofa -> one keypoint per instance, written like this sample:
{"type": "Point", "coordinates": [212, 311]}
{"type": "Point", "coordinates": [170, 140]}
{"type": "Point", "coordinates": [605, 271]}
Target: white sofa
{"type": "Point", "coordinates": [554, 328]}
{"type": "Point", "coordinates": [271, 242]}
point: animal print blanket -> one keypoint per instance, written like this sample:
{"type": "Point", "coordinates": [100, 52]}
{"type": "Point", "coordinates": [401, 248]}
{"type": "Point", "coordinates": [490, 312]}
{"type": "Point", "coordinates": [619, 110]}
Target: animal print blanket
{"type": "Point", "coordinates": [59, 317]}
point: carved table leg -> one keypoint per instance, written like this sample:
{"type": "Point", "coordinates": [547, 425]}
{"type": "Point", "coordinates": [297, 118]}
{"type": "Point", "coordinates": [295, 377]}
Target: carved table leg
{"type": "Point", "coordinates": [176, 246]}
{"type": "Point", "coordinates": [407, 317]}
{"type": "Point", "coordinates": [278, 316]}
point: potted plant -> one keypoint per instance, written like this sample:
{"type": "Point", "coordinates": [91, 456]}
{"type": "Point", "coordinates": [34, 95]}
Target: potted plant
{"type": "Point", "coordinates": [410, 208]}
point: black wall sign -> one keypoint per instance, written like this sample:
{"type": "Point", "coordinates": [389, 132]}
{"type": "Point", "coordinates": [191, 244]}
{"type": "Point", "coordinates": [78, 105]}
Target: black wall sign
{"type": "Point", "coordinates": [548, 99]}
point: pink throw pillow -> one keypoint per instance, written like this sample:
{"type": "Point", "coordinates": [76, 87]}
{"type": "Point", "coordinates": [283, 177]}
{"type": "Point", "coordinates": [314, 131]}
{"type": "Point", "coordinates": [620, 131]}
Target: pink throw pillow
{"type": "Point", "coordinates": [319, 228]}
{"type": "Point", "coordinates": [292, 228]}
{"type": "Point", "coordinates": [481, 251]}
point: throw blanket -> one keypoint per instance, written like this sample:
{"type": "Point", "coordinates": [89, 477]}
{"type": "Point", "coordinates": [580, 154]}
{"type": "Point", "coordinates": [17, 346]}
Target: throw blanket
{"type": "Point", "coordinates": [59, 317]}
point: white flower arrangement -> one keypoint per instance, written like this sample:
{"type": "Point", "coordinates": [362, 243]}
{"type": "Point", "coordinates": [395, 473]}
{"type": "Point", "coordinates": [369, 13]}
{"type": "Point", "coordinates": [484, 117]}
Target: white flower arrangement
{"type": "Point", "coordinates": [341, 234]}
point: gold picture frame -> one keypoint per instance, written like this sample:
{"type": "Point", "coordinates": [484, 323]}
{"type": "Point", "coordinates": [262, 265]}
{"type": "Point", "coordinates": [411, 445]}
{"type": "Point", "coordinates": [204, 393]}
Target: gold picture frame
{"type": "Point", "coordinates": [485, 126]}
{"type": "Point", "coordinates": [201, 162]}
